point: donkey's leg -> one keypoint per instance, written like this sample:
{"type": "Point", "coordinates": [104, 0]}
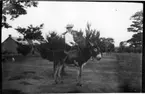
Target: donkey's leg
{"type": "Point", "coordinates": [59, 73]}
{"type": "Point", "coordinates": [79, 76]}
{"type": "Point", "coordinates": [56, 74]}
{"type": "Point", "coordinates": [54, 66]}
{"type": "Point", "coordinates": [79, 82]}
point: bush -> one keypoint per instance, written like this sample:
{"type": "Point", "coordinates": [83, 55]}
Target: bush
{"type": "Point", "coordinates": [45, 52]}
{"type": "Point", "coordinates": [24, 49]}
{"type": "Point", "coordinates": [55, 43]}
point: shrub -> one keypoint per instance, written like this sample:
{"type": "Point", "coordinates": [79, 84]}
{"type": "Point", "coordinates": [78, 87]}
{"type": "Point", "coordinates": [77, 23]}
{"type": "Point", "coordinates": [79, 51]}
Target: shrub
{"type": "Point", "coordinates": [54, 43]}
{"type": "Point", "coordinates": [24, 49]}
{"type": "Point", "coordinates": [45, 51]}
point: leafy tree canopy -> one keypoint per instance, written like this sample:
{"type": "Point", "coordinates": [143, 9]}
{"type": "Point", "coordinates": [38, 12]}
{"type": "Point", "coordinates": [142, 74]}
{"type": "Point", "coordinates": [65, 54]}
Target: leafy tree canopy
{"type": "Point", "coordinates": [15, 8]}
{"type": "Point", "coordinates": [92, 35]}
{"type": "Point", "coordinates": [137, 22]}
{"type": "Point", "coordinates": [137, 27]}
{"type": "Point", "coordinates": [107, 44]}
{"type": "Point", "coordinates": [31, 32]}
{"type": "Point", "coordinates": [136, 40]}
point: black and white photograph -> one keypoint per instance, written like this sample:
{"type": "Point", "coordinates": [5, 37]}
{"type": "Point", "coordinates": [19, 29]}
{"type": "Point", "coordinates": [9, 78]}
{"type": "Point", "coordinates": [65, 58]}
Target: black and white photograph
{"type": "Point", "coordinates": [71, 47]}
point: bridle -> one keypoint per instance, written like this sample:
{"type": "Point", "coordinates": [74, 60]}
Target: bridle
{"type": "Point", "coordinates": [94, 49]}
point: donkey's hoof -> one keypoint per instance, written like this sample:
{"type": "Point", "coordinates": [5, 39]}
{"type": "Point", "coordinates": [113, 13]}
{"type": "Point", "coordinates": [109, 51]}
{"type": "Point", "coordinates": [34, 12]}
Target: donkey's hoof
{"type": "Point", "coordinates": [79, 84]}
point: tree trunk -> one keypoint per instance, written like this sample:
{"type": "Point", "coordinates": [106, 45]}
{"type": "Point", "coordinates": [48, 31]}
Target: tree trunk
{"type": "Point", "coordinates": [31, 44]}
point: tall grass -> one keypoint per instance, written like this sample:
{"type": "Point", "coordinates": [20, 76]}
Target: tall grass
{"type": "Point", "coordinates": [130, 71]}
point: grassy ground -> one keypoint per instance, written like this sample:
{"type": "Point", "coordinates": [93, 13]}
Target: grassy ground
{"type": "Point", "coordinates": [130, 71]}
{"type": "Point", "coordinates": [31, 75]}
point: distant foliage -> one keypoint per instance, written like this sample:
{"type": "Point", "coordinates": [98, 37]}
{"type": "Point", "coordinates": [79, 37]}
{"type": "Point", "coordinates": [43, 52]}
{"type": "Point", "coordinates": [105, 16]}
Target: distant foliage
{"type": "Point", "coordinates": [24, 49]}
{"type": "Point", "coordinates": [124, 48]}
{"type": "Point", "coordinates": [31, 32]}
{"type": "Point", "coordinates": [137, 27]}
{"type": "Point", "coordinates": [107, 44]}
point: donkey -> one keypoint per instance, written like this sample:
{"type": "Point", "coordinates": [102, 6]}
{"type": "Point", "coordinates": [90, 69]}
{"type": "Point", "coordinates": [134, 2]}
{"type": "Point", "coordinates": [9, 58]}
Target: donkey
{"type": "Point", "coordinates": [79, 55]}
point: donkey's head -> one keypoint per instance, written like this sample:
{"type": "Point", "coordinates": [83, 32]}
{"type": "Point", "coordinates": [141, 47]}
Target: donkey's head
{"type": "Point", "coordinates": [95, 51]}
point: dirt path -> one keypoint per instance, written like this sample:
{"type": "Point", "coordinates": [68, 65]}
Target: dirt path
{"type": "Point", "coordinates": [35, 76]}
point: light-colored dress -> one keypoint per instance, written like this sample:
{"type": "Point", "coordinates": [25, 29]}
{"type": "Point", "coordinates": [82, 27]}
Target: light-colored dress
{"type": "Point", "coordinates": [69, 39]}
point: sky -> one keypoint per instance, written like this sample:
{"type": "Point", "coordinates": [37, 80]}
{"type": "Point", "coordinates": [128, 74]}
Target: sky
{"type": "Point", "coordinates": [110, 18]}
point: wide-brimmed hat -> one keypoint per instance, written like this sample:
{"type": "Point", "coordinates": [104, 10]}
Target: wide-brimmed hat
{"type": "Point", "coordinates": [69, 26]}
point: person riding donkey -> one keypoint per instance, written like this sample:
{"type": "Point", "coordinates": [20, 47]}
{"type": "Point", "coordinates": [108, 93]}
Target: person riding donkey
{"type": "Point", "coordinates": [71, 37]}
{"type": "Point", "coordinates": [73, 40]}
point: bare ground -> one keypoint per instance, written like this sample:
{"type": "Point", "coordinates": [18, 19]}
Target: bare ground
{"type": "Point", "coordinates": [34, 75]}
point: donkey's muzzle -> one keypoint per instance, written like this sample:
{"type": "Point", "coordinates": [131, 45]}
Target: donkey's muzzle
{"type": "Point", "coordinates": [99, 56]}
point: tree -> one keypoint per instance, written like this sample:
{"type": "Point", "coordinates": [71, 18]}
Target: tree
{"type": "Point", "coordinates": [137, 28]}
{"type": "Point", "coordinates": [137, 22]}
{"type": "Point", "coordinates": [111, 47]}
{"type": "Point", "coordinates": [136, 40]}
{"type": "Point", "coordinates": [15, 8]}
{"type": "Point", "coordinates": [107, 44]}
{"type": "Point", "coordinates": [102, 44]}
{"type": "Point", "coordinates": [110, 40]}
{"type": "Point", "coordinates": [31, 33]}
{"type": "Point", "coordinates": [122, 46]}
{"type": "Point", "coordinates": [93, 36]}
